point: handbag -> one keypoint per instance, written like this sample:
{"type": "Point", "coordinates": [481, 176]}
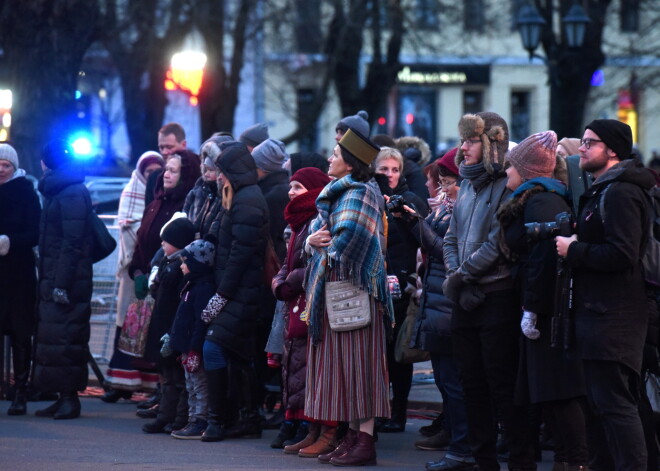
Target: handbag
{"type": "Point", "coordinates": [133, 336]}
{"type": "Point", "coordinates": [347, 305]}
{"type": "Point", "coordinates": [103, 244]}
{"type": "Point", "coordinates": [403, 353]}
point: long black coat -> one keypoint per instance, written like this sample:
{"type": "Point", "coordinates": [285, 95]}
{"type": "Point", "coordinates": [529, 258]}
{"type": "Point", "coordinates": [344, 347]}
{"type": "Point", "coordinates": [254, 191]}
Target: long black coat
{"type": "Point", "coordinates": [239, 260]}
{"type": "Point", "coordinates": [20, 212]}
{"type": "Point", "coordinates": [546, 373]}
{"type": "Point", "coordinates": [275, 188]}
{"type": "Point", "coordinates": [65, 262]}
{"type": "Point", "coordinates": [611, 315]}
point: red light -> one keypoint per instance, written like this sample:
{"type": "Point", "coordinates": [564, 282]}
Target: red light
{"type": "Point", "coordinates": [410, 118]}
{"type": "Point", "coordinates": [382, 121]}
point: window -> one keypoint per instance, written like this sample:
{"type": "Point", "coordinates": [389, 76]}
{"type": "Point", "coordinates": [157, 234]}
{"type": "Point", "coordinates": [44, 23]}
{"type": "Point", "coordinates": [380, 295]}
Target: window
{"type": "Point", "coordinates": [426, 14]}
{"type": "Point", "coordinates": [629, 16]}
{"type": "Point", "coordinates": [474, 16]}
{"type": "Point", "coordinates": [520, 116]}
{"type": "Point", "coordinates": [473, 101]}
{"type": "Point", "coordinates": [308, 141]}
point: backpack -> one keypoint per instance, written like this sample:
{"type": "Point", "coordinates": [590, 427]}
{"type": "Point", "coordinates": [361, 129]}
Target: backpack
{"type": "Point", "coordinates": [651, 256]}
{"type": "Point", "coordinates": [103, 244]}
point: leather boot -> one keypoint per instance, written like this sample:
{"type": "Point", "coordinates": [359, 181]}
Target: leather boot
{"type": "Point", "coordinates": [21, 356]}
{"type": "Point", "coordinates": [326, 442]}
{"type": "Point", "coordinates": [344, 445]}
{"type": "Point", "coordinates": [50, 410]}
{"type": "Point", "coordinates": [363, 452]}
{"type": "Point", "coordinates": [249, 425]}
{"type": "Point", "coordinates": [399, 416]}
{"type": "Point", "coordinates": [69, 408]}
{"type": "Point", "coordinates": [217, 384]}
{"type": "Point", "coordinates": [312, 436]}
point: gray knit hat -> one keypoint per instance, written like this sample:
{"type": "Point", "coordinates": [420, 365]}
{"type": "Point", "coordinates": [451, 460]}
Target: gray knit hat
{"type": "Point", "coordinates": [201, 251]}
{"type": "Point", "coordinates": [254, 135]}
{"type": "Point", "coordinates": [358, 122]}
{"type": "Point", "coordinates": [9, 154]}
{"type": "Point", "coordinates": [270, 155]}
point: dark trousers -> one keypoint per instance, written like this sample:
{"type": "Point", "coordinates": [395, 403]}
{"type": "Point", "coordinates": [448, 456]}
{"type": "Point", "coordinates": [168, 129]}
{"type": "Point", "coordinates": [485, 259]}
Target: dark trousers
{"type": "Point", "coordinates": [400, 373]}
{"type": "Point", "coordinates": [174, 398]}
{"type": "Point", "coordinates": [485, 342]}
{"type": "Point", "coordinates": [566, 419]}
{"type": "Point", "coordinates": [614, 424]}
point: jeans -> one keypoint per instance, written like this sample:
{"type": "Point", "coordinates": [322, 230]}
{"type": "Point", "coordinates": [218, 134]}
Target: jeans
{"type": "Point", "coordinates": [198, 395]}
{"type": "Point", "coordinates": [485, 343]}
{"type": "Point", "coordinates": [214, 356]}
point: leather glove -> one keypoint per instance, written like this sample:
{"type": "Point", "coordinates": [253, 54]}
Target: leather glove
{"type": "Point", "coordinates": [192, 362]}
{"type": "Point", "coordinates": [4, 245]}
{"type": "Point", "coordinates": [166, 349]}
{"type": "Point", "coordinates": [528, 325]}
{"type": "Point", "coordinates": [60, 296]}
{"type": "Point", "coordinates": [141, 288]}
{"type": "Point", "coordinates": [213, 308]}
{"type": "Point", "coordinates": [394, 287]}
{"type": "Point", "coordinates": [453, 285]}
{"type": "Point", "coordinates": [471, 297]}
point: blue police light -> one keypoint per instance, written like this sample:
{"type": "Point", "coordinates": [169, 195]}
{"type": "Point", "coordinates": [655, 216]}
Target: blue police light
{"type": "Point", "coordinates": [82, 146]}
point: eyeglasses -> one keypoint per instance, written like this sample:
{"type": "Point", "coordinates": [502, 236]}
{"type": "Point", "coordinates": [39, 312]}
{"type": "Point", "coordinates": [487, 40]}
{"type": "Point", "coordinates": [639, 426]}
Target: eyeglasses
{"type": "Point", "coordinates": [446, 183]}
{"type": "Point", "coordinates": [470, 142]}
{"type": "Point", "coordinates": [588, 141]}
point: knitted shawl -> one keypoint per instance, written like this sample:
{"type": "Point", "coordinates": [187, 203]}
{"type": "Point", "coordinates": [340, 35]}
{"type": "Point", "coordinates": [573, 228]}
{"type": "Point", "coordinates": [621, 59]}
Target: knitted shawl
{"type": "Point", "coordinates": [351, 212]}
{"type": "Point", "coordinates": [129, 216]}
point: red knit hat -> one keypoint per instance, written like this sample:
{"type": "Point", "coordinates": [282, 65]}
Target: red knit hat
{"type": "Point", "coordinates": [310, 178]}
{"type": "Point", "coordinates": [535, 156]}
{"type": "Point", "coordinates": [447, 161]}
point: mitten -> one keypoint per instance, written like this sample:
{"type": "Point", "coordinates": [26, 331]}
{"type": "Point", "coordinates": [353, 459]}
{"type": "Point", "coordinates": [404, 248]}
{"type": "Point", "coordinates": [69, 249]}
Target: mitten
{"type": "Point", "coordinates": [394, 287]}
{"type": "Point", "coordinates": [166, 349]}
{"type": "Point", "coordinates": [274, 360]}
{"type": "Point", "coordinates": [471, 297]}
{"type": "Point", "coordinates": [192, 362]}
{"type": "Point", "coordinates": [528, 325]}
{"type": "Point", "coordinates": [153, 276]}
{"type": "Point", "coordinates": [141, 288]}
{"type": "Point", "coordinates": [4, 245]}
{"type": "Point", "coordinates": [60, 296]}
{"type": "Point", "coordinates": [213, 308]}
{"type": "Point", "coordinates": [453, 285]}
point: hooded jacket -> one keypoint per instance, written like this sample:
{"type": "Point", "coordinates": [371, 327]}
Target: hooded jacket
{"type": "Point", "coordinates": [242, 234]}
{"type": "Point", "coordinates": [609, 293]}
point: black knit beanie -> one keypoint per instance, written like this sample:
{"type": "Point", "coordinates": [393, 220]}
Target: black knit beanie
{"type": "Point", "coordinates": [178, 232]}
{"type": "Point", "coordinates": [615, 135]}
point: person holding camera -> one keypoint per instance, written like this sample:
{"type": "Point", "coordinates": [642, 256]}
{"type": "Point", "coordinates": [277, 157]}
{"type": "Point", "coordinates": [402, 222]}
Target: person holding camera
{"type": "Point", "coordinates": [548, 376]}
{"type": "Point", "coordinates": [401, 256]}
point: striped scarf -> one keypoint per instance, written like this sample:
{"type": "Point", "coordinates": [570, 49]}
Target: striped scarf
{"type": "Point", "coordinates": [351, 212]}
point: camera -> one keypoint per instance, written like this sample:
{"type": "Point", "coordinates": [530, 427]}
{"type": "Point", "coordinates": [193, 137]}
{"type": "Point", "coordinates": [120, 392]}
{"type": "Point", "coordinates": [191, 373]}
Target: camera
{"type": "Point", "coordinates": [395, 204]}
{"type": "Point", "coordinates": [561, 226]}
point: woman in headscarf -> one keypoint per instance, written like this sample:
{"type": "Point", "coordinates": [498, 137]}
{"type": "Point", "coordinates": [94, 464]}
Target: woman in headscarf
{"type": "Point", "coordinates": [347, 377]}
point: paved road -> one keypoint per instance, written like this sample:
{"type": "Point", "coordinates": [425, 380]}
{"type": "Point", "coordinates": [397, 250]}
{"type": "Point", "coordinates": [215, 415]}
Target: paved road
{"type": "Point", "coordinates": [108, 437]}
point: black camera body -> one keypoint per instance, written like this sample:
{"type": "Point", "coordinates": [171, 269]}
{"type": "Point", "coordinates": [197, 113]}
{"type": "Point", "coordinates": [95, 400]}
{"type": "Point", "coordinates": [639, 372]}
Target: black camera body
{"type": "Point", "coordinates": [561, 226]}
{"type": "Point", "coordinates": [395, 205]}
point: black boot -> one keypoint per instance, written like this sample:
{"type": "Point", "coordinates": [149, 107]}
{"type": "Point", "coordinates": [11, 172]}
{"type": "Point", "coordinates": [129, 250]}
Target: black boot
{"type": "Point", "coordinates": [69, 407]}
{"type": "Point", "coordinates": [249, 425]}
{"type": "Point", "coordinates": [21, 355]}
{"type": "Point", "coordinates": [218, 384]}
{"type": "Point", "coordinates": [287, 432]}
{"type": "Point", "coordinates": [399, 416]}
{"type": "Point", "coordinates": [50, 410]}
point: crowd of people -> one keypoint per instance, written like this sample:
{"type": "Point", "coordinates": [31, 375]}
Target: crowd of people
{"type": "Point", "coordinates": [527, 293]}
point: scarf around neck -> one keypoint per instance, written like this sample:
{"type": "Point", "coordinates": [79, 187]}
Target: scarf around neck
{"type": "Point", "coordinates": [301, 209]}
{"type": "Point", "coordinates": [351, 212]}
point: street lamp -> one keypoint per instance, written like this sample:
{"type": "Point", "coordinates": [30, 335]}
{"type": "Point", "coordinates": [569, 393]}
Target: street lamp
{"type": "Point", "coordinates": [187, 69]}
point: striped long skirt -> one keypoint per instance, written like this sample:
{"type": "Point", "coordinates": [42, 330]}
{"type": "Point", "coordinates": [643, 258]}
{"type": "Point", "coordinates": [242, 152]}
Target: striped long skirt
{"type": "Point", "coordinates": [347, 375]}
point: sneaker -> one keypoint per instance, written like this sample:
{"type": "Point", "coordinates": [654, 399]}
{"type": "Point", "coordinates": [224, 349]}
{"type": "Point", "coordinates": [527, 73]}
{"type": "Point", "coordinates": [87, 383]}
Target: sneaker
{"type": "Point", "coordinates": [439, 441]}
{"type": "Point", "coordinates": [448, 464]}
{"type": "Point", "coordinates": [192, 431]}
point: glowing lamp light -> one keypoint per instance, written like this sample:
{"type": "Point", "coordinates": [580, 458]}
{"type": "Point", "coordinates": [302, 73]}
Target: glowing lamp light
{"type": "Point", "coordinates": [382, 121]}
{"type": "Point", "coordinates": [82, 146]}
{"type": "Point", "coordinates": [410, 118]}
{"type": "Point", "coordinates": [186, 73]}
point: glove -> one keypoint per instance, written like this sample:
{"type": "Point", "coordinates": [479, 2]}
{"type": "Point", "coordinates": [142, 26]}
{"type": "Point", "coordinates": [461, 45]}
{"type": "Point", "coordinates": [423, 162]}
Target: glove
{"type": "Point", "coordinates": [166, 349]}
{"type": "Point", "coordinates": [528, 325]}
{"type": "Point", "coordinates": [274, 360]}
{"type": "Point", "coordinates": [60, 296]}
{"type": "Point", "coordinates": [4, 245]}
{"type": "Point", "coordinates": [394, 287]}
{"type": "Point", "coordinates": [192, 362]}
{"type": "Point", "coordinates": [471, 297]}
{"type": "Point", "coordinates": [453, 285]}
{"type": "Point", "coordinates": [141, 288]}
{"type": "Point", "coordinates": [213, 308]}
{"type": "Point", "coordinates": [153, 277]}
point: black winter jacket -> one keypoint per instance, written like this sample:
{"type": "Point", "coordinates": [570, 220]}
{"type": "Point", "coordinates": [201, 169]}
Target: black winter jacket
{"type": "Point", "coordinates": [64, 262]}
{"type": "Point", "coordinates": [242, 234]}
{"type": "Point", "coordinates": [275, 188]}
{"type": "Point", "coordinates": [188, 329]}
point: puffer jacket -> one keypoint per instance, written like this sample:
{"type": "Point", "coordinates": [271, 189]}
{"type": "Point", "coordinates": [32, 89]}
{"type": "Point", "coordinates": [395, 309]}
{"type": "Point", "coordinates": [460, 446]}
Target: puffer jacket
{"type": "Point", "coordinates": [202, 205]}
{"type": "Point", "coordinates": [471, 243]}
{"type": "Point", "coordinates": [242, 234]}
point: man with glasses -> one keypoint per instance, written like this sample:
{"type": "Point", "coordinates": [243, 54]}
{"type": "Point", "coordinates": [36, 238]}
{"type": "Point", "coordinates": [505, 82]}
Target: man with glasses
{"type": "Point", "coordinates": [609, 300]}
{"type": "Point", "coordinates": [485, 320]}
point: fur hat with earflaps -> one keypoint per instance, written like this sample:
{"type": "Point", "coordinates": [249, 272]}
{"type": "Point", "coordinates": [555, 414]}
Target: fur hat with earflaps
{"type": "Point", "coordinates": [493, 132]}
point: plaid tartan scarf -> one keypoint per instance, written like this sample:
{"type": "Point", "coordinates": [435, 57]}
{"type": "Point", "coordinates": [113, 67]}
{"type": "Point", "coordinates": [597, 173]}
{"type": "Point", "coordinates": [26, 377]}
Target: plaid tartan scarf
{"type": "Point", "coordinates": [352, 214]}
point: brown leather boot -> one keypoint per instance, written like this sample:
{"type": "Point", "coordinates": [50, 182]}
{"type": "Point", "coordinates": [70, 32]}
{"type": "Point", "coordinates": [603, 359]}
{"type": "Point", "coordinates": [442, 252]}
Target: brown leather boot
{"type": "Point", "coordinates": [362, 453]}
{"type": "Point", "coordinates": [344, 445]}
{"type": "Point", "coordinates": [324, 444]}
{"type": "Point", "coordinates": [312, 436]}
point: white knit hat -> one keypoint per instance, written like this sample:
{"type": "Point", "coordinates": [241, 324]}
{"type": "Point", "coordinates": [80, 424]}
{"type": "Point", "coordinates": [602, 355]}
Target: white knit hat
{"type": "Point", "coordinates": [8, 153]}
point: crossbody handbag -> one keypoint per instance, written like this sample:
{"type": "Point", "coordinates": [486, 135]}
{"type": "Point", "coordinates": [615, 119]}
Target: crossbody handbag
{"type": "Point", "coordinates": [347, 305]}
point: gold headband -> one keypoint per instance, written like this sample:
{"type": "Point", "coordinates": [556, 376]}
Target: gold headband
{"type": "Point", "coordinates": [359, 146]}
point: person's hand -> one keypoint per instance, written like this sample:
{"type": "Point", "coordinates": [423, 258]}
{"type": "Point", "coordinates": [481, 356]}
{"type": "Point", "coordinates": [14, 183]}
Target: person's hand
{"type": "Point", "coordinates": [213, 308]}
{"type": "Point", "coordinates": [4, 245]}
{"type": "Point", "coordinates": [320, 238]}
{"type": "Point", "coordinates": [563, 243]}
{"type": "Point", "coordinates": [409, 214]}
{"type": "Point", "coordinates": [528, 325]}
{"type": "Point", "coordinates": [471, 297]}
{"type": "Point", "coordinates": [60, 296]}
{"type": "Point", "coordinates": [141, 288]}
{"type": "Point", "coordinates": [166, 349]}
{"type": "Point", "coordinates": [192, 362]}
{"type": "Point", "coordinates": [453, 285]}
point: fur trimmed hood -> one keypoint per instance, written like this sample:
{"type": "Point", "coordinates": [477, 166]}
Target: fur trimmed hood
{"type": "Point", "coordinates": [406, 142]}
{"type": "Point", "coordinates": [493, 132]}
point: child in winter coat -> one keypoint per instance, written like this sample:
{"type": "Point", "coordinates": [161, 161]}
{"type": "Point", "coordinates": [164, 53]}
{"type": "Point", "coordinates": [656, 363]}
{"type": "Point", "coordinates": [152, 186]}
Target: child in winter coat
{"type": "Point", "coordinates": [188, 331]}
